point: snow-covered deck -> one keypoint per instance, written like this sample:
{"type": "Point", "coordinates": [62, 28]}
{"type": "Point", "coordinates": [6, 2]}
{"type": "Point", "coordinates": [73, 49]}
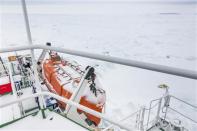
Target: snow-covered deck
{"type": "Point", "coordinates": [53, 121]}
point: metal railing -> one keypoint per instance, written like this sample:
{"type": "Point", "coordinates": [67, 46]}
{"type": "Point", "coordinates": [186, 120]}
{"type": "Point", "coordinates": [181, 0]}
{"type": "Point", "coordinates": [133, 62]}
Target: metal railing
{"type": "Point", "coordinates": [143, 65]}
{"type": "Point", "coordinates": [69, 102]}
{"type": "Point", "coordinates": [178, 112]}
{"type": "Point", "coordinates": [133, 63]}
{"type": "Point", "coordinates": [168, 107]}
{"type": "Point", "coordinates": [142, 124]}
{"type": "Point", "coordinates": [159, 102]}
{"type": "Point", "coordinates": [137, 115]}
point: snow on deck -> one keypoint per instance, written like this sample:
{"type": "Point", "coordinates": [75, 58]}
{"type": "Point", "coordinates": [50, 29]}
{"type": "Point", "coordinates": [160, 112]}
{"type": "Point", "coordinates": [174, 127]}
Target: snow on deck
{"type": "Point", "coordinates": [13, 111]}
{"type": "Point", "coordinates": [52, 122]}
{"type": "Point", "coordinates": [10, 112]}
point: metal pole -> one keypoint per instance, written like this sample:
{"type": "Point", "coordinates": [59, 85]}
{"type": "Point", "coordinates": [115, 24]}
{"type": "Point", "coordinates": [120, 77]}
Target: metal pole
{"type": "Point", "coordinates": [158, 110]}
{"type": "Point", "coordinates": [28, 31]}
{"type": "Point", "coordinates": [183, 101]}
{"type": "Point", "coordinates": [143, 65]}
{"type": "Point", "coordinates": [67, 101]}
{"type": "Point", "coordinates": [29, 37]}
{"type": "Point", "coordinates": [142, 119]}
{"type": "Point", "coordinates": [133, 63]}
{"type": "Point", "coordinates": [12, 80]}
{"type": "Point", "coordinates": [166, 104]}
{"type": "Point", "coordinates": [123, 119]}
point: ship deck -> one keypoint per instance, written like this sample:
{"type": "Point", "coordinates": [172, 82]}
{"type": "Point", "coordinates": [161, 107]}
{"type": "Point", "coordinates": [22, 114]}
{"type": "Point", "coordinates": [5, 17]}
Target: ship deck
{"type": "Point", "coordinates": [53, 121]}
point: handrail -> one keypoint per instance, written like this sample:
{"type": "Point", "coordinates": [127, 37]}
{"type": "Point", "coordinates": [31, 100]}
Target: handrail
{"type": "Point", "coordinates": [151, 107]}
{"type": "Point", "coordinates": [123, 119]}
{"type": "Point", "coordinates": [67, 101]}
{"type": "Point", "coordinates": [187, 103]}
{"type": "Point", "coordinates": [182, 115]}
{"type": "Point", "coordinates": [160, 100]}
{"type": "Point", "coordinates": [184, 102]}
{"type": "Point", "coordinates": [143, 65]}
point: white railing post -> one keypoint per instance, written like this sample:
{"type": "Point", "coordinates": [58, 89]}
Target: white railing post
{"type": "Point", "coordinates": [138, 119]}
{"type": "Point", "coordinates": [166, 104]}
{"type": "Point", "coordinates": [77, 93]}
{"type": "Point", "coordinates": [158, 110]}
{"type": "Point", "coordinates": [142, 118]}
{"type": "Point", "coordinates": [28, 31]}
{"type": "Point", "coordinates": [12, 80]}
{"type": "Point", "coordinates": [29, 37]}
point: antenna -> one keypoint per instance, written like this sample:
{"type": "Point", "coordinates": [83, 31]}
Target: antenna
{"type": "Point", "coordinates": [164, 86]}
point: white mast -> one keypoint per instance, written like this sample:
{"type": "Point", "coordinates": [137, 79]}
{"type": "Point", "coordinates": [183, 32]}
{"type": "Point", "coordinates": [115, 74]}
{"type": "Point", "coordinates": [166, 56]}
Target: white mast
{"type": "Point", "coordinates": [29, 37]}
{"type": "Point", "coordinates": [28, 31]}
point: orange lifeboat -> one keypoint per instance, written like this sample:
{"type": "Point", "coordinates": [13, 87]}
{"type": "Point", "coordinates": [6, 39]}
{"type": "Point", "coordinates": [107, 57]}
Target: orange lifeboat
{"type": "Point", "coordinates": [63, 77]}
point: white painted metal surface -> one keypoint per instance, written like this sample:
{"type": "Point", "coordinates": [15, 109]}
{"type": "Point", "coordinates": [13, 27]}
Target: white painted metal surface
{"type": "Point", "coordinates": [29, 37]}
{"type": "Point", "coordinates": [52, 122]}
{"type": "Point", "coordinates": [77, 105]}
{"type": "Point", "coordinates": [133, 63]}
